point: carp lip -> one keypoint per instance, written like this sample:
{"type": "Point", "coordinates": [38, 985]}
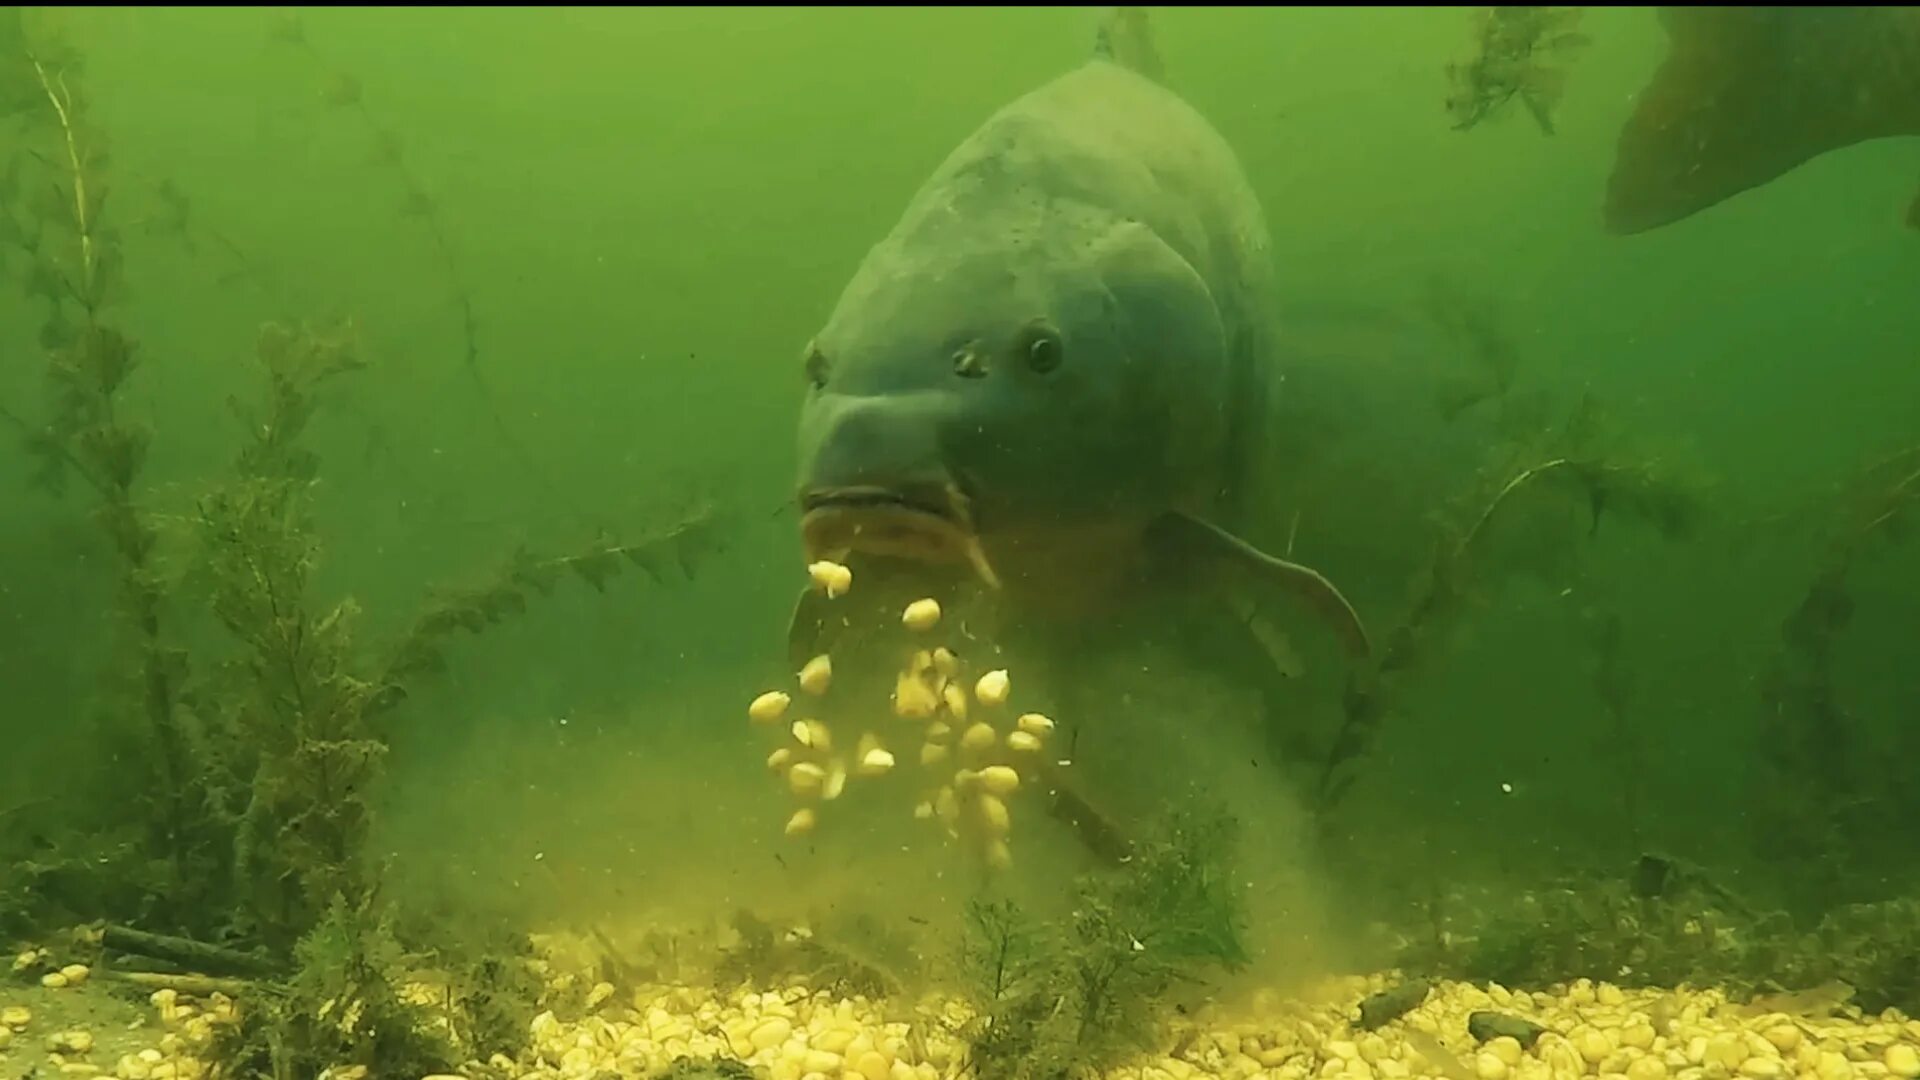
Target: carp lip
{"type": "Point", "coordinates": [928, 526]}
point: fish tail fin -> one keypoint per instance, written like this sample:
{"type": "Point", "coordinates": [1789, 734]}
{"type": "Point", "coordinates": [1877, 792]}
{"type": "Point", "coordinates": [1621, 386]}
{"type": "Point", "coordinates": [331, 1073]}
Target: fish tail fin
{"type": "Point", "coordinates": [1126, 39]}
{"type": "Point", "coordinates": [1746, 94]}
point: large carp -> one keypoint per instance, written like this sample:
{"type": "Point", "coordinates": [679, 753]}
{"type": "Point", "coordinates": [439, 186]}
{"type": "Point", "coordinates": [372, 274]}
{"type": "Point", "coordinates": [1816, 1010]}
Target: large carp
{"type": "Point", "coordinates": [1746, 95]}
{"type": "Point", "coordinates": [1053, 376]}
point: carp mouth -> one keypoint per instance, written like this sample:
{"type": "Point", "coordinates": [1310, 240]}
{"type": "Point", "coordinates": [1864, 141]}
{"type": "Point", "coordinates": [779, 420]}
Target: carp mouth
{"type": "Point", "coordinates": [929, 525]}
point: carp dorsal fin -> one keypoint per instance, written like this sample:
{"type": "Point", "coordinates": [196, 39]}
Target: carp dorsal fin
{"type": "Point", "coordinates": [1127, 40]}
{"type": "Point", "coordinates": [1746, 94]}
{"type": "Point", "coordinates": [1239, 566]}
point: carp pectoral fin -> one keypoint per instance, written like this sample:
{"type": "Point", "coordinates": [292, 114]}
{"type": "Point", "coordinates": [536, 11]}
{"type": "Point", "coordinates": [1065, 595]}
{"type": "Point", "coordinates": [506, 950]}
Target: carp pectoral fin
{"type": "Point", "coordinates": [1237, 564]}
{"type": "Point", "coordinates": [806, 628]}
{"type": "Point", "coordinates": [1272, 641]}
{"type": "Point", "coordinates": [1100, 834]}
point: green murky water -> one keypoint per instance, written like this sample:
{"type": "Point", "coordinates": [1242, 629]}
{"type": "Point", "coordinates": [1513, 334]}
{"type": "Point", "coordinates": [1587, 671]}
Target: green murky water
{"type": "Point", "coordinates": [557, 267]}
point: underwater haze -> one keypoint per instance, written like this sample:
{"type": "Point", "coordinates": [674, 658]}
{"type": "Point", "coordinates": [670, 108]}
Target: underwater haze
{"type": "Point", "coordinates": [1625, 515]}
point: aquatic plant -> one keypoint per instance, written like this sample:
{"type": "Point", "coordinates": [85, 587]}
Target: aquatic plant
{"type": "Point", "coordinates": [1665, 923]}
{"type": "Point", "coordinates": [1613, 685]}
{"type": "Point", "coordinates": [1577, 465]}
{"type": "Point", "coordinates": [1521, 52]}
{"type": "Point", "coordinates": [1056, 998]}
{"type": "Point", "coordinates": [285, 717]}
{"type": "Point", "coordinates": [1821, 795]}
{"type": "Point", "coordinates": [342, 92]}
{"type": "Point", "coordinates": [303, 717]}
{"type": "Point", "coordinates": [279, 739]}
{"type": "Point", "coordinates": [276, 733]}
{"type": "Point", "coordinates": [865, 959]}
{"type": "Point", "coordinates": [72, 263]}
{"type": "Point", "coordinates": [341, 1007]}
{"type": "Point", "coordinates": [258, 732]}
{"type": "Point", "coordinates": [52, 873]}
{"type": "Point", "coordinates": [1614, 927]}
{"type": "Point", "coordinates": [685, 538]}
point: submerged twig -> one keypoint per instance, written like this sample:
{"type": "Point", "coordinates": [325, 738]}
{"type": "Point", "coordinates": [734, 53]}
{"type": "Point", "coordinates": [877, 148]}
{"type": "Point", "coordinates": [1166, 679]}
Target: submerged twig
{"type": "Point", "coordinates": [182, 950]}
{"type": "Point", "coordinates": [198, 985]}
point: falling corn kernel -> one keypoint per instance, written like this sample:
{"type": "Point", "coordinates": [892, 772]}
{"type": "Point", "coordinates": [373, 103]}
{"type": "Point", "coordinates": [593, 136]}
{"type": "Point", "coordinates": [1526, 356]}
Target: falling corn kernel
{"type": "Point", "coordinates": [1035, 724]}
{"type": "Point", "coordinates": [964, 779]}
{"type": "Point", "coordinates": [938, 730]}
{"type": "Point", "coordinates": [999, 856]}
{"type": "Point", "coordinates": [993, 813]}
{"type": "Point", "coordinates": [923, 810]}
{"type": "Point", "coordinates": [812, 734]}
{"type": "Point", "coordinates": [946, 805]}
{"type": "Point", "coordinates": [932, 754]}
{"type": "Point", "coordinates": [955, 699]}
{"type": "Point", "coordinates": [978, 737]}
{"type": "Point", "coordinates": [922, 662]}
{"type": "Point", "coordinates": [944, 662]}
{"type": "Point", "coordinates": [1024, 741]}
{"type": "Point", "coordinates": [817, 675]}
{"type": "Point", "coordinates": [913, 699]}
{"type": "Point", "coordinates": [921, 614]}
{"type": "Point", "coordinates": [801, 822]}
{"type": "Point", "coordinates": [1000, 779]}
{"type": "Point", "coordinates": [769, 707]}
{"type": "Point", "coordinates": [806, 778]}
{"type": "Point", "coordinates": [831, 577]}
{"type": "Point", "coordinates": [783, 757]}
{"type": "Point", "coordinates": [836, 780]}
{"type": "Point", "coordinates": [598, 996]}
{"type": "Point", "coordinates": [993, 687]}
{"type": "Point", "coordinates": [875, 762]}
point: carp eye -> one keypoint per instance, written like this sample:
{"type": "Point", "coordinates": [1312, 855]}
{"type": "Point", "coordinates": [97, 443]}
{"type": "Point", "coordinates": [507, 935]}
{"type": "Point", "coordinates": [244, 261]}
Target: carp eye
{"type": "Point", "coordinates": [1044, 350]}
{"type": "Point", "coordinates": [816, 367]}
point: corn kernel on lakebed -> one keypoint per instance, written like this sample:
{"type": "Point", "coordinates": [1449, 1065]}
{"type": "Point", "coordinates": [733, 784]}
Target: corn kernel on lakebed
{"type": "Point", "coordinates": [79, 1027]}
{"type": "Point", "coordinates": [1586, 1029]}
{"type": "Point", "coordinates": [794, 1032]}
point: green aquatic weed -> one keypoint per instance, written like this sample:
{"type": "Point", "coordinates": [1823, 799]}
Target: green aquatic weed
{"type": "Point", "coordinates": [1054, 1000]}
